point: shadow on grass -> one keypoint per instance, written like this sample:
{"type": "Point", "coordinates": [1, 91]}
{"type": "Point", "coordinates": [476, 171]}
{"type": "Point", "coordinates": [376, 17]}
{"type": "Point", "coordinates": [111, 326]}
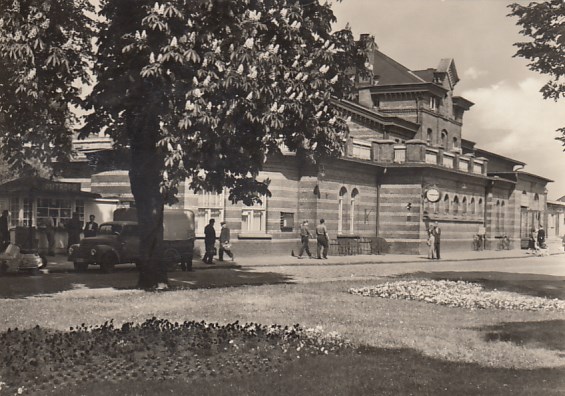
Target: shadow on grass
{"type": "Point", "coordinates": [529, 284]}
{"type": "Point", "coordinates": [21, 285]}
{"type": "Point", "coordinates": [366, 371]}
{"type": "Point", "coordinates": [546, 334]}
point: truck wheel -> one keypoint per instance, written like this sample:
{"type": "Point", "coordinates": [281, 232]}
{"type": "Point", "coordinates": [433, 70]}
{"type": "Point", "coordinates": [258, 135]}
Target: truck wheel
{"type": "Point", "coordinates": [172, 259]}
{"type": "Point", "coordinates": [108, 262]}
{"type": "Point", "coordinates": [81, 267]}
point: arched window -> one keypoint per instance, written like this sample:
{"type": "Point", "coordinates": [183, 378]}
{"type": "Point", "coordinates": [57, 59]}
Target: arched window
{"type": "Point", "coordinates": [464, 205]}
{"type": "Point", "coordinates": [446, 203]}
{"type": "Point", "coordinates": [472, 206]}
{"type": "Point", "coordinates": [352, 208]}
{"type": "Point", "coordinates": [536, 202]}
{"type": "Point", "coordinates": [342, 195]}
{"type": "Point", "coordinates": [480, 209]}
{"type": "Point", "coordinates": [455, 209]}
{"type": "Point", "coordinates": [444, 139]}
{"type": "Point", "coordinates": [429, 136]}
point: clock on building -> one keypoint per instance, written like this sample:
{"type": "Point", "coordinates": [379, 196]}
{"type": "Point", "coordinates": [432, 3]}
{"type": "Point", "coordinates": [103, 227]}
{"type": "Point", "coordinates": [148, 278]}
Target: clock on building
{"type": "Point", "coordinates": [432, 195]}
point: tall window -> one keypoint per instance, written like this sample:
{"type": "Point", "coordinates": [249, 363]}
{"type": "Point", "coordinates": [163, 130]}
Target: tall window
{"type": "Point", "coordinates": [472, 205]}
{"type": "Point", "coordinates": [455, 142]}
{"type": "Point", "coordinates": [464, 205]}
{"type": "Point", "coordinates": [210, 206]}
{"type": "Point", "coordinates": [340, 204]}
{"type": "Point", "coordinates": [446, 203]}
{"type": "Point", "coordinates": [14, 211]}
{"type": "Point", "coordinates": [455, 209]}
{"type": "Point", "coordinates": [497, 218]}
{"type": "Point", "coordinates": [434, 103]}
{"type": "Point", "coordinates": [480, 209]}
{"type": "Point", "coordinates": [354, 195]}
{"type": "Point", "coordinates": [254, 218]}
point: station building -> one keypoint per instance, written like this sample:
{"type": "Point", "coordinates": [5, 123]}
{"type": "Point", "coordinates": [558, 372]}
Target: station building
{"type": "Point", "coordinates": [405, 165]}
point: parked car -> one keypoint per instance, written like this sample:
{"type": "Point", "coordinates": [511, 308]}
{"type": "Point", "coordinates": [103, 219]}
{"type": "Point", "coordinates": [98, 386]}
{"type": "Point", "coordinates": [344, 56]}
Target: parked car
{"type": "Point", "coordinates": [117, 242]}
{"type": "Point", "coordinates": [13, 260]}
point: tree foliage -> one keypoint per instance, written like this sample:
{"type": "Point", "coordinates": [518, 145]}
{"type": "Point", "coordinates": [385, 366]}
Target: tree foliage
{"type": "Point", "coordinates": [223, 84]}
{"type": "Point", "coordinates": [44, 53]}
{"type": "Point", "coordinates": [544, 23]}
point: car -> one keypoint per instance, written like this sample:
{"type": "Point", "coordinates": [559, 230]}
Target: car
{"type": "Point", "coordinates": [117, 242]}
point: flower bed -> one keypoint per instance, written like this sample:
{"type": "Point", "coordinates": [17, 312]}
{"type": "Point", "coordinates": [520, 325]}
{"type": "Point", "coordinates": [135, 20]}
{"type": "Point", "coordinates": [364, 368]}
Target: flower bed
{"type": "Point", "coordinates": [38, 361]}
{"type": "Point", "coordinates": [458, 294]}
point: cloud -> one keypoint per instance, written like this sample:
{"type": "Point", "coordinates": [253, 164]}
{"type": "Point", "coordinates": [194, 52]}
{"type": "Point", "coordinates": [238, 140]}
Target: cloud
{"type": "Point", "coordinates": [515, 121]}
{"type": "Point", "coordinates": [473, 73]}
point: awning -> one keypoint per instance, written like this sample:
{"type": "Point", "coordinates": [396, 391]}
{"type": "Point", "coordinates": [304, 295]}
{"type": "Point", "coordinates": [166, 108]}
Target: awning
{"type": "Point", "coordinates": [38, 185]}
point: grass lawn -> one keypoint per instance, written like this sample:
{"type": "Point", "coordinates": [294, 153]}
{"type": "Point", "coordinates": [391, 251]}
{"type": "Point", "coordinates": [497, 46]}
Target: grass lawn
{"type": "Point", "coordinates": [405, 346]}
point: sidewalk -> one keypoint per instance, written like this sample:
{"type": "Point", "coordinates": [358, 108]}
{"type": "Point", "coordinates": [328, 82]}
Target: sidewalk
{"type": "Point", "coordinates": [60, 262]}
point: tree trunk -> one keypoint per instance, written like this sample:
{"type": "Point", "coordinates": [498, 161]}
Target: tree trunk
{"type": "Point", "coordinates": [145, 178]}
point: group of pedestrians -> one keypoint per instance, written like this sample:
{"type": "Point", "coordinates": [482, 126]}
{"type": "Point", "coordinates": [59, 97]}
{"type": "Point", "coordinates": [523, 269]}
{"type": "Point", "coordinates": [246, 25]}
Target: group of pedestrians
{"type": "Point", "coordinates": [322, 240]}
{"type": "Point", "coordinates": [210, 242]}
{"type": "Point", "coordinates": [434, 241]}
{"type": "Point", "coordinates": [536, 241]}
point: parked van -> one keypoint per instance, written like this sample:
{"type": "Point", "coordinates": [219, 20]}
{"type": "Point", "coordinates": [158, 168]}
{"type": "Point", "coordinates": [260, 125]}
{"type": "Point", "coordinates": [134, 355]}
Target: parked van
{"type": "Point", "coordinates": [117, 241]}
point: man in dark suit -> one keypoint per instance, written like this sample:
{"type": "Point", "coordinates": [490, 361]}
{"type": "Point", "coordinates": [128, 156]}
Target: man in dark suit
{"type": "Point", "coordinates": [4, 231]}
{"type": "Point", "coordinates": [91, 228]}
{"type": "Point", "coordinates": [541, 237]}
{"type": "Point", "coordinates": [209, 242]}
{"type": "Point", "coordinates": [437, 239]}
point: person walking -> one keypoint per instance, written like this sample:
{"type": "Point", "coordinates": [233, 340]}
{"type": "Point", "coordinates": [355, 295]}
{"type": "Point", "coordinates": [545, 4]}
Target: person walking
{"type": "Point", "coordinates": [209, 242]}
{"type": "Point", "coordinates": [225, 245]}
{"type": "Point", "coordinates": [304, 240]}
{"type": "Point", "coordinates": [91, 228]}
{"type": "Point", "coordinates": [322, 239]}
{"type": "Point", "coordinates": [74, 228]}
{"type": "Point", "coordinates": [541, 237]}
{"type": "Point", "coordinates": [437, 240]}
{"type": "Point", "coordinates": [4, 231]}
{"type": "Point", "coordinates": [431, 243]}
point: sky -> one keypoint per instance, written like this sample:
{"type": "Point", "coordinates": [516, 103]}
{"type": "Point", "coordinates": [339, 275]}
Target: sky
{"type": "Point", "coordinates": [510, 116]}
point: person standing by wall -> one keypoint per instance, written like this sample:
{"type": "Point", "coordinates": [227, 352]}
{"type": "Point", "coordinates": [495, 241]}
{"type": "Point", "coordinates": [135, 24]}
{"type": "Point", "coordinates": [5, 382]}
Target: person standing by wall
{"type": "Point", "coordinates": [74, 228]}
{"type": "Point", "coordinates": [322, 239]}
{"type": "Point", "coordinates": [437, 240]}
{"type": "Point", "coordinates": [304, 240]}
{"type": "Point", "coordinates": [91, 228]}
{"type": "Point", "coordinates": [225, 245]}
{"type": "Point", "coordinates": [4, 231]}
{"type": "Point", "coordinates": [50, 235]}
{"type": "Point", "coordinates": [541, 237]}
{"type": "Point", "coordinates": [209, 242]}
{"type": "Point", "coordinates": [431, 243]}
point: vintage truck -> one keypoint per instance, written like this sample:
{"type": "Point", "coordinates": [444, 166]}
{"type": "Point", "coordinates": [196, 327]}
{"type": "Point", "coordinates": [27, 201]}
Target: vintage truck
{"type": "Point", "coordinates": [117, 241]}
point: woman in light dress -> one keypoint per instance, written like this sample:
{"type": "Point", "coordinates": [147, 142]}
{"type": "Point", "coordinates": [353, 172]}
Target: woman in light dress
{"type": "Point", "coordinates": [431, 243]}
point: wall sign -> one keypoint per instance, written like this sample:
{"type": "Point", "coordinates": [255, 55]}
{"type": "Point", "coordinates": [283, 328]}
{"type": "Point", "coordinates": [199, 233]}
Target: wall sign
{"type": "Point", "coordinates": [433, 195]}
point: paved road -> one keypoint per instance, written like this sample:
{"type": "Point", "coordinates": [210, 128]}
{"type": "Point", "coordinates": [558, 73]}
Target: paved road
{"type": "Point", "coordinates": [548, 270]}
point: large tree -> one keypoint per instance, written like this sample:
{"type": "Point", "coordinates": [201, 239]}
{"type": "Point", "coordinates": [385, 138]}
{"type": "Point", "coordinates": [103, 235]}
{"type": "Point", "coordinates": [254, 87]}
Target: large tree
{"type": "Point", "coordinates": [200, 90]}
{"type": "Point", "coordinates": [544, 23]}
{"type": "Point", "coordinates": [205, 91]}
{"type": "Point", "coordinates": [44, 53]}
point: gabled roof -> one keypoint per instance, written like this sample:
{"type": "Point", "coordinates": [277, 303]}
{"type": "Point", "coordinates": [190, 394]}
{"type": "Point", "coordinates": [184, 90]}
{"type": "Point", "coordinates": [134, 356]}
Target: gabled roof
{"type": "Point", "coordinates": [387, 71]}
